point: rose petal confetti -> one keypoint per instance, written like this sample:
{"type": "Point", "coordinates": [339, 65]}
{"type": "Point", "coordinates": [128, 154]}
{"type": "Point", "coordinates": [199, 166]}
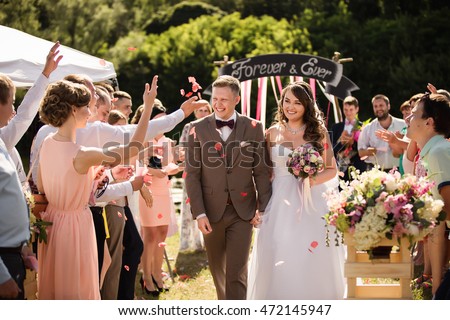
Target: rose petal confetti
{"type": "Point", "coordinates": [244, 194]}
{"type": "Point", "coordinates": [364, 158]}
{"type": "Point", "coordinates": [184, 175]}
{"type": "Point", "coordinates": [119, 214]}
{"type": "Point", "coordinates": [182, 92]}
{"type": "Point", "coordinates": [192, 131]}
{"type": "Point", "coordinates": [102, 62]}
{"type": "Point", "coordinates": [189, 94]}
{"type": "Point", "coordinates": [313, 245]}
{"type": "Point", "coordinates": [131, 49]}
{"type": "Point", "coordinates": [162, 244]}
{"type": "Point", "coordinates": [184, 277]}
{"type": "Point", "coordinates": [126, 267]}
{"type": "Point", "coordinates": [254, 123]}
{"type": "Point", "coordinates": [218, 146]}
{"type": "Point", "coordinates": [325, 145]}
{"type": "Point", "coordinates": [188, 200]}
{"type": "Point", "coordinates": [191, 79]}
{"type": "Point", "coordinates": [159, 216]}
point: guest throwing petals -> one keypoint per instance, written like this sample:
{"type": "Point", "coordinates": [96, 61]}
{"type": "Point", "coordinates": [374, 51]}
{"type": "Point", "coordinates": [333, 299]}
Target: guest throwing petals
{"type": "Point", "coordinates": [68, 266]}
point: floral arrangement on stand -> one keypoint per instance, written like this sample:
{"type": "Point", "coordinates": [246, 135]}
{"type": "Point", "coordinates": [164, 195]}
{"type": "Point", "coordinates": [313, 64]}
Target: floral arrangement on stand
{"type": "Point", "coordinates": [38, 226]}
{"type": "Point", "coordinates": [378, 205]}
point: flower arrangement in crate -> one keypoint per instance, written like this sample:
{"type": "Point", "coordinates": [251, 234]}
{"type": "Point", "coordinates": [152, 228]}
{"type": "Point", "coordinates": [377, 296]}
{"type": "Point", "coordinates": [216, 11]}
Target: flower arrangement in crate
{"type": "Point", "coordinates": [376, 205]}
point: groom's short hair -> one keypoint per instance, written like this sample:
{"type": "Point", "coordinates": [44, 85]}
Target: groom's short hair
{"type": "Point", "coordinates": [228, 81]}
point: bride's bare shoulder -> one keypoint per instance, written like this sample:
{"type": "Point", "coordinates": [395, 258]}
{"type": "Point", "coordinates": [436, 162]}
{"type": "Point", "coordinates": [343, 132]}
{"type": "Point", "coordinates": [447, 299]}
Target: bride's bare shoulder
{"type": "Point", "coordinates": [275, 133]}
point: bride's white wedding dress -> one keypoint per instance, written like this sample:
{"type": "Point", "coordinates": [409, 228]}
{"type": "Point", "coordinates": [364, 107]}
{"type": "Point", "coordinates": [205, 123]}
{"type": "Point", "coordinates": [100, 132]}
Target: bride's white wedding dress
{"type": "Point", "coordinates": [290, 259]}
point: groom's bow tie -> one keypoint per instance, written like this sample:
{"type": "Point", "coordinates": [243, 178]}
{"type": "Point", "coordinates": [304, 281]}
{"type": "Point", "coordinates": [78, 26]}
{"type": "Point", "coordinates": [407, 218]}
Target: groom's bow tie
{"type": "Point", "coordinates": [229, 123]}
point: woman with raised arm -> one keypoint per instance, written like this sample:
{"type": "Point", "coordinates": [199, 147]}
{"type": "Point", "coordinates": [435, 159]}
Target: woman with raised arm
{"type": "Point", "coordinates": [68, 266]}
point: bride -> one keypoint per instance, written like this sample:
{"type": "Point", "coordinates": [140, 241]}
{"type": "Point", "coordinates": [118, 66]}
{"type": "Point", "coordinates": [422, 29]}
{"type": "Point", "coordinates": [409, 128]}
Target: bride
{"type": "Point", "coordinates": [290, 259]}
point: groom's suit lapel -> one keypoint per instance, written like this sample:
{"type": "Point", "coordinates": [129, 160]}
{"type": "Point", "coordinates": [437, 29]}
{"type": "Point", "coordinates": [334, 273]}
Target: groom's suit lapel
{"type": "Point", "coordinates": [240, 132]}
{"type": "Point", "coordinates": [214, 136]}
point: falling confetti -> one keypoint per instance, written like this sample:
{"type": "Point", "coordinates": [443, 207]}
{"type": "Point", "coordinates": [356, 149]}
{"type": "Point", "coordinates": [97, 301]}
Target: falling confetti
{"type": "Point", "coordinates": [279, 263]}
{"type": "Point", "coordinates": [159, 216]}
{"type": "Point", "coordinates": [244, 194]}
{"type": "Point", "coordinates": [182, 92]}
{"type": "Point", "coordinates": [325, 146]}
{"type": "Point", "coordinates": [162, 244]}
{"type": "Point", "coordinates": [119, 214]}
{"type": "Point", "coordinates": [126, 267]}
{"type": "Point", "coordinates": [184, 277]}
{"type": "Point", "coordinates": [254, 123]}
{"type": "Point", "coordinates": [188, 95]}
{"type": "Point", "coordinates": [102, 62]}
{"type": "Point", "coordinates": [313, 245]}
{"type": "Point", "coordinates": [218, 146]}
{"type": "Point", "coordinates": [184, 175]}
{"type": "Point", "coordinates": [188, 200]}
{"type": "Point", "coordinates": [132, 49]}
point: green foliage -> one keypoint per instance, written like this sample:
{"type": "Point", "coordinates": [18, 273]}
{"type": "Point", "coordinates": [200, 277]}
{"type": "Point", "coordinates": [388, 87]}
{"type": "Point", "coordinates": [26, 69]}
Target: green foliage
{"type": "Point", "coordinates": [190, 49]}
{"type": "Point", "coordinates": [180, 14]}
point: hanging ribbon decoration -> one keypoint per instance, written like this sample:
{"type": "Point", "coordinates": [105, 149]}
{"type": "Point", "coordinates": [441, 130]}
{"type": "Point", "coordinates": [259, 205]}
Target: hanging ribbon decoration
{"type": "Point", "coordinates": [246, 89]}
{"type": "Point", "coordinates": [262, 101]}
{"type": "Point", "coordinates": [274, 88]}
{"type": "Point", "coordinates": [312, 84]}
{"type": "Point", "coordinates": [304, 192]}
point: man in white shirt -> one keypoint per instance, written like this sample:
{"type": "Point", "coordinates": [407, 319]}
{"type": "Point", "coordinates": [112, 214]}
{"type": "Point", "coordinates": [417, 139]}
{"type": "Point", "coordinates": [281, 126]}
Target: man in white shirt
{"type": "Point", "coordinates": [370, 146]}
{"type": "Point", "coordinates": [14, 218]}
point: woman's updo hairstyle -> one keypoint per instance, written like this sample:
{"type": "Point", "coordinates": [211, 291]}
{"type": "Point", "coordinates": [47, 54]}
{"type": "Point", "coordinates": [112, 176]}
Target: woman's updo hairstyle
{"type": "Point", "coordinates": [56, 106]}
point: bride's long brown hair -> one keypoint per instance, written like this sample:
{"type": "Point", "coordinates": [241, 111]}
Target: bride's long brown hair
{"type": "Point", "coordinates": [314, 130]}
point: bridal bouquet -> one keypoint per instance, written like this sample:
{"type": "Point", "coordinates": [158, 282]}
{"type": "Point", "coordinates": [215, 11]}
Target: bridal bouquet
{"type": "Point", "coordinates": [305, 161]}
{"type": "Point", "coordinates": [377, 205]}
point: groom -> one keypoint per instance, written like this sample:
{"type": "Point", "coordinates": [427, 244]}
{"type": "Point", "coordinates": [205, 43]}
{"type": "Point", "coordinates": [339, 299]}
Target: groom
{"type": "Point", "coordinates": [228, 183]}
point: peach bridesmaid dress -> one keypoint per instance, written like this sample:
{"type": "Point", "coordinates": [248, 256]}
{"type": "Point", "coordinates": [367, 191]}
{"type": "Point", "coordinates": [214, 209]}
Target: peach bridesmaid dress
{"type": "Point", "coordinates": [68, 266]}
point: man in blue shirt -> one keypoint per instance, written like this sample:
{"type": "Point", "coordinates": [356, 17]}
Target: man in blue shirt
{"type": "Point", "coordinates": [428, 126]}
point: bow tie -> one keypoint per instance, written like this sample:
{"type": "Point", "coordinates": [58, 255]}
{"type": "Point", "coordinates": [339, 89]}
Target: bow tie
{"type": "Point", "coordinates": [229, 123]}
{"type": "Point", "coordinates": [347, 123]}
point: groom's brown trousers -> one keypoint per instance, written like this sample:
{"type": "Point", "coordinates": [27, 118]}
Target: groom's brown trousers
{"type": "Point", "coordinates": [230, 237]}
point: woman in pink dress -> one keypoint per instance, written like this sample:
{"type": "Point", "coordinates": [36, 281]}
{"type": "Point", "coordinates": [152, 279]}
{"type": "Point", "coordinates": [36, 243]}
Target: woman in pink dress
{"type": "Point", "coordinates": [155, 221]}
{"type": "Point", "coordinates": [68, 266]}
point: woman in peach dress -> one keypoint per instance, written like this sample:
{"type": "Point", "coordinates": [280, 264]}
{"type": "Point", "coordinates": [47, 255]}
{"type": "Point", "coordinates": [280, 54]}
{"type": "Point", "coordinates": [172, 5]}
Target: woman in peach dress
{"type": "Point", "coordinates": [68, 266]}
{"type": "Point", "coordinates": [156, 222]}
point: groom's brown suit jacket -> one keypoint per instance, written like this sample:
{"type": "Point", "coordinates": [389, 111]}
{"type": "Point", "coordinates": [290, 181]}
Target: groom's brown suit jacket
{"type": "Point", "coordinates": [235, 170]}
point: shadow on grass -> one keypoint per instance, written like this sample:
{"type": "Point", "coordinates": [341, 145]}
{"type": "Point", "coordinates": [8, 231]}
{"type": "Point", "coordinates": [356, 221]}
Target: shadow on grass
{"type": "Point", "coordinates": [189, 264]}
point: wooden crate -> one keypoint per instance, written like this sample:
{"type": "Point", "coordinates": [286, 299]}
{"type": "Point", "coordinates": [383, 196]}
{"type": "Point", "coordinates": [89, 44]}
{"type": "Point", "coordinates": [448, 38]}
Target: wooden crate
{"type": "Point", "coordinates": [358, 265]}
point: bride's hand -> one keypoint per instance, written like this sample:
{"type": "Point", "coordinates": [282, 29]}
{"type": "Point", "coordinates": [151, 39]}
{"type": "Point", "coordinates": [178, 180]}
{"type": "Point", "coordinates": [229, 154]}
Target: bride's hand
{"type": "Point", "coordinates": [256, 221]}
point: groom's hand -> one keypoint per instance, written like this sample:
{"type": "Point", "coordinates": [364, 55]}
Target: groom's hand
{"type": "Point", "coordinates": [256, 221]}
{"type": "Point", "coordinates": [203, 225]}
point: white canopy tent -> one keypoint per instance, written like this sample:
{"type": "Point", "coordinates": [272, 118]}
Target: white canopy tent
{"type": "Point", "coordinates": [22, 58]}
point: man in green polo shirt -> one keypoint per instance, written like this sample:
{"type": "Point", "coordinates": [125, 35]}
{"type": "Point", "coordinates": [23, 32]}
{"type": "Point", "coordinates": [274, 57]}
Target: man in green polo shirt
{"type": "Point", "coordinates": [428, 125]}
